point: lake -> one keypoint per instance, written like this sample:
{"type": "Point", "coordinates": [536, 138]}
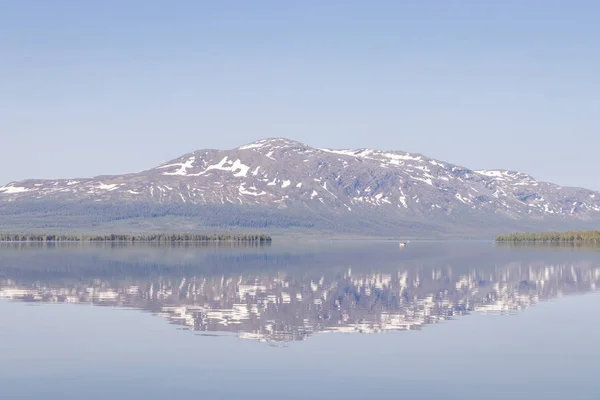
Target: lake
{"type": "Point", "coordinates": [299, 320]}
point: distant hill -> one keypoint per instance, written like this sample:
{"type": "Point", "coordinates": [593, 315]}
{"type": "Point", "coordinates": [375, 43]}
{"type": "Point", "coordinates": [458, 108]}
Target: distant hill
{"type": "Point", "coordinates": [283, 186]}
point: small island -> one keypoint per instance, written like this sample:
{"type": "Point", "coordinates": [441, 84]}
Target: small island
{"type": "Point", "coordinates": [153, 237]}
{"type": "Point", "coordinates": [582, 237]}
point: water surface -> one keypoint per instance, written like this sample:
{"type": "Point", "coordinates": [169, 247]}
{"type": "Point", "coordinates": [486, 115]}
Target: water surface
{"type": "Point", "coordinates": [434, 320]}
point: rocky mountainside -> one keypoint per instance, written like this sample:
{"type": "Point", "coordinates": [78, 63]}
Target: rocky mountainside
{"type": "Point", "coordinates": [284, 183]}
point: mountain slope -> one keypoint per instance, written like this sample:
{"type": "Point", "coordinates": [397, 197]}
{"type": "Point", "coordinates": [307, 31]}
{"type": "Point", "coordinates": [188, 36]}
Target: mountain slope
{"type": "Point", "coordinates": [283, 183]}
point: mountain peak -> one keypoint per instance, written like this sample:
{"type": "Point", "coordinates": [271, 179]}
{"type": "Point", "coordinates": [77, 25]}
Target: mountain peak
{"type": "Point", "coordinates": [272, 142]}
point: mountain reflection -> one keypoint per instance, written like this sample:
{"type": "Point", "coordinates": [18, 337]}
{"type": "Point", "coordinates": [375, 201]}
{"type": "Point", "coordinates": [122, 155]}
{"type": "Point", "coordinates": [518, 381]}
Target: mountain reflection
{"type": "Point", "coordinates": [286, 303]}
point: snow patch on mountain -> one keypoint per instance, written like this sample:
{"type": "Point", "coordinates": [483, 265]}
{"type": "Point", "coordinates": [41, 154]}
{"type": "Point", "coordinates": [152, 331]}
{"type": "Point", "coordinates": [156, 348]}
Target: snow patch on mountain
{"type": "Point", "coordinates": [227, 165]}
{"type": "Point", "coordinates": [14, 189]}
{"type": "Point", "coordinates": [102, 186]}
{"type": "Point", "coordinates": [249, 146]}
{"type": "Point", "coordinates": [183, 167]}
{"type": "Point", "coordinates": [252, 192]}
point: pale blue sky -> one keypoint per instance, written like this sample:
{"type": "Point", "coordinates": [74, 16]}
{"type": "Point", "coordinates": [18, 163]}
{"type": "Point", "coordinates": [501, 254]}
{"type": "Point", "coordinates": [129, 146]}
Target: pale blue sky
{"type": "Point", "coordinates": [113, 86]}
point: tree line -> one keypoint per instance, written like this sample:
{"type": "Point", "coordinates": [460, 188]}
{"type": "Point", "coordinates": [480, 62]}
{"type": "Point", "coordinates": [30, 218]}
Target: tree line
{"type": "Point", "coordinates": [152, 237]}
{"type": "Point", "coordinates": [552, 237]}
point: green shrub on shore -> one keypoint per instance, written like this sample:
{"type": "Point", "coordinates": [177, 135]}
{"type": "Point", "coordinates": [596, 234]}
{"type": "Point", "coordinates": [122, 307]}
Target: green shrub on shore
{"type": "Point", "coordinates": [156, 237]}
{"type": "Point", "coordinates": [552, 237]}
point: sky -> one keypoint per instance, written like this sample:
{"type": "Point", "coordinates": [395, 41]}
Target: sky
{"type": "Point", "coordinates": [109, 87]}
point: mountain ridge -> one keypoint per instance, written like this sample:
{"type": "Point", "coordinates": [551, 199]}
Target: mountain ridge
{"type": "Point", "coordinates": [360, 188]}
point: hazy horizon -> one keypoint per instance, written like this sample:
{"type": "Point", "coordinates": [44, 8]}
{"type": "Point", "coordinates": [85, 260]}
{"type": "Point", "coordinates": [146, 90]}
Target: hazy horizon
{"type": "Point", "coordinates": [110, 88]}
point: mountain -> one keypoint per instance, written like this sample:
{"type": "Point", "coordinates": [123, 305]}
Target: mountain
{"type": "Point", "coordinates": [280, 184]}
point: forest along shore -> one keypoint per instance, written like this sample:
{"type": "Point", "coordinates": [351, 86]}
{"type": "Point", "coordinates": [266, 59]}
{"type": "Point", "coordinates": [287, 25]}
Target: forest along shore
{"type": "Point", "coordinates": [592, 237]}
{"type": "Point", "coordinates": [158, 237]}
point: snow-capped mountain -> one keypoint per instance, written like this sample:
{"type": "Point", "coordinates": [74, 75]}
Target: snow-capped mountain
{"type": "Point", "coordinates": [293, 178]}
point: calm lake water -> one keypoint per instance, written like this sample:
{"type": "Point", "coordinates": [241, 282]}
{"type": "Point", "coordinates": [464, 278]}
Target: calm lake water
{"type": "Point", "coordinates": [299, 320]}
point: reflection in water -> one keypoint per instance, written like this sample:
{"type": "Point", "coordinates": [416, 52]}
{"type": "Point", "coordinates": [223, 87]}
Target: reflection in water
{"type": "Point", "coordinates": [290, 300]}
